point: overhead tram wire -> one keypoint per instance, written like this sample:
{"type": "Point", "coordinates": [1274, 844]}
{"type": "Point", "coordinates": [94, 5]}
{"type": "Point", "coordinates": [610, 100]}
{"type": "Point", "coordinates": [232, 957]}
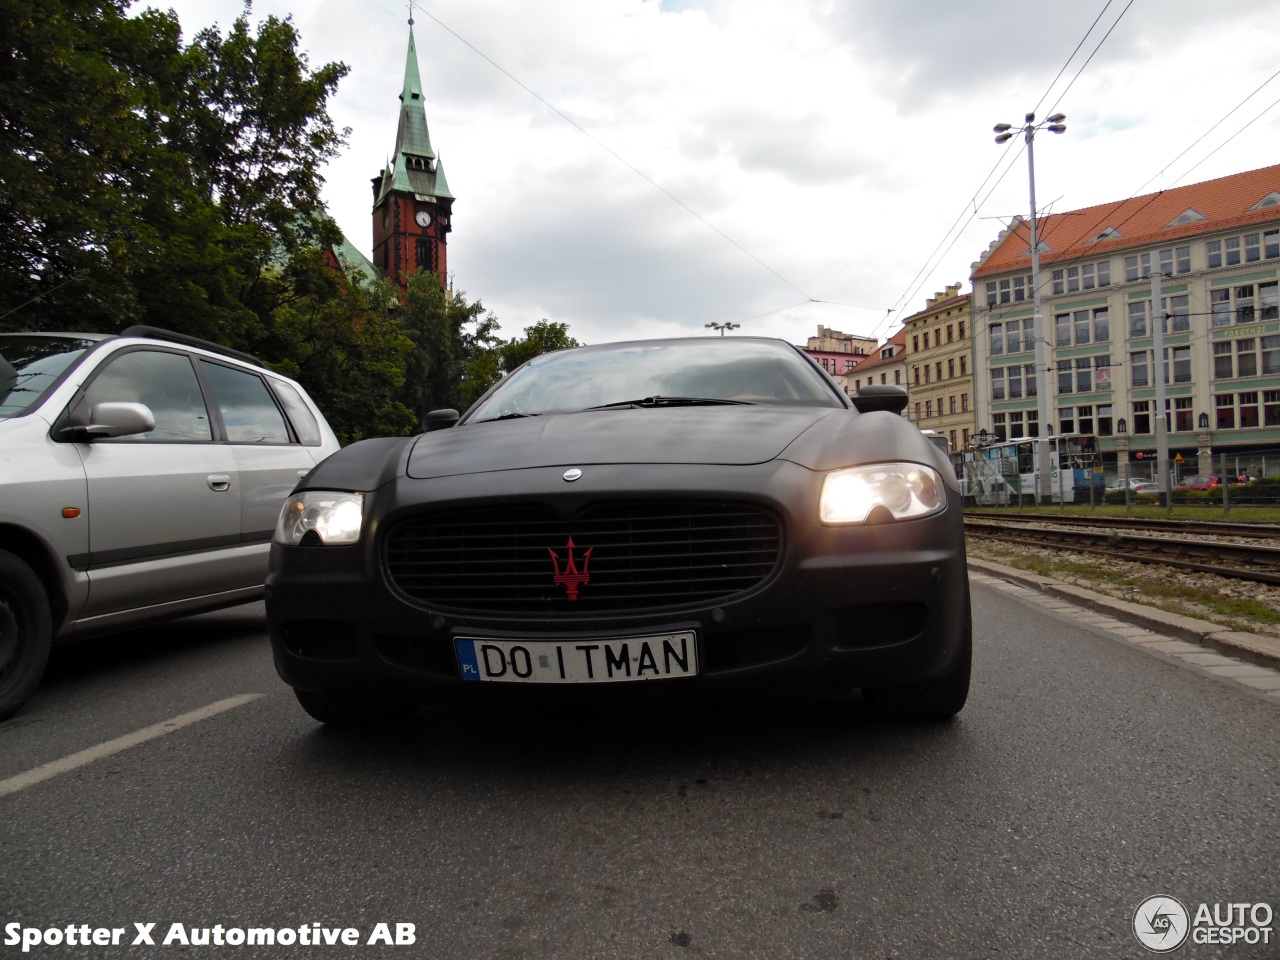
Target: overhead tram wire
{"type": "Point", "coordinates": [609, 150]}
{"type": "Point", "coordinates": [913, 287]}
{"type": "Point", "coordinates": [1098, 224]}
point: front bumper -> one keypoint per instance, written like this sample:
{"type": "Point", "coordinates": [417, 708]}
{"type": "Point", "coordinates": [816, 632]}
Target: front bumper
{"type": "Point", "coordinates": [856, 605]}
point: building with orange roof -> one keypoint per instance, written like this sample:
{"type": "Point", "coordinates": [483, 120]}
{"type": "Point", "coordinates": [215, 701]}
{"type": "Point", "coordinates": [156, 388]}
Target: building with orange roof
{"type": "Point", "coordinates": [937, 356]}
{"type": "Point", "coordinates": [888, 365]}
{"type": "Point", "coordinates": [1216, 246]}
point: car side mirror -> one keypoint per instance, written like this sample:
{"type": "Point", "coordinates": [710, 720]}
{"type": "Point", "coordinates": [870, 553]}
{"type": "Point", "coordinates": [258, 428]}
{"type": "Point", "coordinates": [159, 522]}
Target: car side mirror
{"type": "Point", "coordinates": [116, 419]}
{"type": "Point", "coordinates": [881, 396]}
{"type": "Point", "coordinates": [441, 419]}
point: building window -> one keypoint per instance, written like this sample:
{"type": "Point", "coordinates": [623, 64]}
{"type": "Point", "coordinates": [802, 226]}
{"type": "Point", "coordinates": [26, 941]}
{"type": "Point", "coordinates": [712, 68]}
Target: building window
{"type": "Point", "coordinates": [950, 333]}
{"type": "Point", "coordinates": [964, 365]}
{"type": "Point", "coordinates": [1249, 248]}
{"type": "Point", "coordinates": [915, 344]}
{"type": "Point", "coordinates": [951, 368]}
{"type": "Point", "coordinates": [997, 383]}
{"type": "Point", "coordinates": [1087, 276]}
{"type": "Point", "coordinates": [928, 408]}
{"type": "Point", "coordinates": [1140, 368]}
{"type": "Point", "coordinates": [1271, 408]}
{"type": "Point", "coordinates": [1171, 261]}
{"type": "Point", "coordinates": [1226, 404]}
{"type": "Point", "coordinates": [1011, 290]}
{"type": "Point", "coordinates": [917, 412]}
{"type": "Point", "coordinates": [964, 408]}
{"type": "Point", "coordinates": [999, 426]}
{"type": "Point", "coordinates": [1181, 413]}
{"type": "Point", "coordinates": [1142, 416]}
{"type": "Point", "coordinates": [1105, 428]}
{"type": "Point", "coordinates": [1082, 327]}
{"type": "Point", "coordinates": [938, 371]}
{"type": "Point", "coordinates": [951, 400]}
{"type": "Point", "coordinates": [1245, 303]}
{"type": "Point", "coordinates": [1181, 359]}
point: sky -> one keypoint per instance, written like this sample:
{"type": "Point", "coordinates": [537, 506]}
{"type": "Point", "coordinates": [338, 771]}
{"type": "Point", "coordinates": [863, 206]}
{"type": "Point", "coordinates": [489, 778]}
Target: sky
{"type": "Point", "coordinates": [638, 168]}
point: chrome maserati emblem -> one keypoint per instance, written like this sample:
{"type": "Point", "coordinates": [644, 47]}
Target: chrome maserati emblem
{"type": "Point", "coordinates": [572, 475]}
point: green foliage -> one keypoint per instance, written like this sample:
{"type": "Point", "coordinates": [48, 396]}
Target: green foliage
{"type": "Point", "coordinates": [144, 182]}
{"type": "Point", "coordinates": [543, 337]}
{"type": "Point", "coordinates": [344, 342]}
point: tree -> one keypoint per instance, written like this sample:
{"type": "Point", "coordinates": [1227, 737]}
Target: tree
{"type": "Point", "coordinates": [144, 182]}
{"type": "Point", "coordinates": [450, 339]}
{"type": "Point", "coordinates": [342, 339]}
{"type": "Point", "coordinates": [543, 337]}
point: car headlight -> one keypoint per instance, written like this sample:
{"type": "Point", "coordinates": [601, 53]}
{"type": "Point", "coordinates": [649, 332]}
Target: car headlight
{"type": "Point", "coordinates": [333, 517]}
{"type": "Point", "coordinates": [906, 490]}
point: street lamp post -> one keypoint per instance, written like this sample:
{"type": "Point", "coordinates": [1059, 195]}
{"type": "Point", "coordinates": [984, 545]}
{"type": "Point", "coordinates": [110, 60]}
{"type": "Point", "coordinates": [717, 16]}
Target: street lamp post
{"type": "Point", "coordinates": [1004, 132]}
{"type": "Point", "coordinates": [722, 327]}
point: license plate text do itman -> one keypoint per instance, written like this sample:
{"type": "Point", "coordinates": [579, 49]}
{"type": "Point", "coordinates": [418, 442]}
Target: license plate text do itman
{"type": "Point", "coordinates": [661, 656]}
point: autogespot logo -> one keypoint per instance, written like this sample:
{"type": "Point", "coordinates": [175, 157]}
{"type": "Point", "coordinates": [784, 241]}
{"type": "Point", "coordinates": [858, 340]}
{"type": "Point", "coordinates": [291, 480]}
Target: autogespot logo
{"type": "Point", "coordinates": [1161, 924]}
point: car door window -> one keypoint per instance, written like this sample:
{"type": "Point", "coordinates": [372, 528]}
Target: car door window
{"type": "Point", "coordinates": [249, 413]}
{"type": "Point", "coordinates": [165, 382]}
{"type": "Point", "coordinates": [304, 424]}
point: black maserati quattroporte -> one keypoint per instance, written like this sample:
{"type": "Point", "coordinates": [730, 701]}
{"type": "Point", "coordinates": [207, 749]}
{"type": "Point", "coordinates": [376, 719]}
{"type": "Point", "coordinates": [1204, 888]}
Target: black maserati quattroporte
{"type": "Point", "coordinates": [657, 518]}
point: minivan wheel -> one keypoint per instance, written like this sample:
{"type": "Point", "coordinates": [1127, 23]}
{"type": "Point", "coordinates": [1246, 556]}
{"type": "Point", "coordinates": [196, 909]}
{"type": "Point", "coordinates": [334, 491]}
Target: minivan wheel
{"type": "Point", "coordinates": [26, 633]}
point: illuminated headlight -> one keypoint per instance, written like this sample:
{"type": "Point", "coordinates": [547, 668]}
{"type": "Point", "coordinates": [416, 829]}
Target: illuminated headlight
{"type": "Point", "coordinates": [906, 490]}
{"type": "Point", "coordinates": [334, 517]}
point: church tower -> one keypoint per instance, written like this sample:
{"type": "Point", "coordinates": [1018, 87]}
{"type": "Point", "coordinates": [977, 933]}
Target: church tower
{"type": "Point", "coordinates": [411, 200]}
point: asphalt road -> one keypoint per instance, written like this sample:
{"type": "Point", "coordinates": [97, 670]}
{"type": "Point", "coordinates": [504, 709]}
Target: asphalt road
{"type": "Point", "coordinates": [1085, 776]}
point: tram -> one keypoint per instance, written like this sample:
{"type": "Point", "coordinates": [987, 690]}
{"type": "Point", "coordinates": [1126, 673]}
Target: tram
{"type": "Point", "coordinates": [1007, 472]}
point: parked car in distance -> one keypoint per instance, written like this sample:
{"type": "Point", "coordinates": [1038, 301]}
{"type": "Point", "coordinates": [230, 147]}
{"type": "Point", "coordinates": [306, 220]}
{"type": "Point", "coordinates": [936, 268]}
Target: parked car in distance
{"type": "Point", "coordinates": [1134, 484]}
{"type": "Point", "coordinates": [1198, 482]}
{"type": "Point", "coordinates": [664, 518]}
{"type": "Point", "coordinates": [141, 476]}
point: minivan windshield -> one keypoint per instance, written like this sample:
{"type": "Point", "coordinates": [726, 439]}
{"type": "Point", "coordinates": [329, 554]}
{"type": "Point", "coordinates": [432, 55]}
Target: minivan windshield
{"type": "Point", "coordinates": [29, 365]}
{"type": "Point", "coordinates": [657, 373]}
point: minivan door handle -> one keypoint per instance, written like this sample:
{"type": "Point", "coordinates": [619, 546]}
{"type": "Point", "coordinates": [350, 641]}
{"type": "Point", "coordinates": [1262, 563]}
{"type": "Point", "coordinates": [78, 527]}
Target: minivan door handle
{"type": "Point", "coordinates": [219, 482]}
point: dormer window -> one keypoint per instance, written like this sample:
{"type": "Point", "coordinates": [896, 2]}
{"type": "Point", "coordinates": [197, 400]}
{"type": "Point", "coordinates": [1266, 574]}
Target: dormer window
{"type": "Point", "coordinates": [1187, 216]}
{"type": "Point", "coordinates": [1272, 199]}
{"type": "Point", "coordinates": [1111, 233]}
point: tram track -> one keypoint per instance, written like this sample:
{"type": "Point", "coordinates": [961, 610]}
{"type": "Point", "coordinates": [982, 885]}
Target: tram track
{"type": "Point", "coordinates": [1234, 551]}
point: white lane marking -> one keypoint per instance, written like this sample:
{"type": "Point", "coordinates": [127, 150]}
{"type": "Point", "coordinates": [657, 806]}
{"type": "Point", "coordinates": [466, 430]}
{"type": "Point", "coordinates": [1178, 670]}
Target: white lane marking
{"type": "Point", "coordinates": [66, 764]}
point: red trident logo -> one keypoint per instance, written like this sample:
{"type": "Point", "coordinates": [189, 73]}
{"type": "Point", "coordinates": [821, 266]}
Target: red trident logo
{"type": "Point", "coordinates": [569, 576]}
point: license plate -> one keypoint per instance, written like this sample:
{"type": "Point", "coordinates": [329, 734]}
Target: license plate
{"type": "Point", "coordinates": [614, 660]}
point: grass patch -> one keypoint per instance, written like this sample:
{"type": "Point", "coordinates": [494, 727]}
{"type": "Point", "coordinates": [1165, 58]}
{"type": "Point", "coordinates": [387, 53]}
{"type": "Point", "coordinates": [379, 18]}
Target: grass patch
{"type": "Point", "coordinates": [1214, 599]}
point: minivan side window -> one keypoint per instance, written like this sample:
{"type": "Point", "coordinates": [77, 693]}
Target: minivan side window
{"type": "Point", "coordinates": [304, 424]}
{"type": "Point", "coordinates": [248, 412]}
{"type": "Point", "coordinates": [165, 382]}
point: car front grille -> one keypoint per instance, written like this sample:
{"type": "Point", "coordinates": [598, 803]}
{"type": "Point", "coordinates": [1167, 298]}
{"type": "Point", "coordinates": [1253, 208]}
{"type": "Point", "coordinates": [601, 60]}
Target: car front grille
{"type": "Point", "coordinates": [625, 557]}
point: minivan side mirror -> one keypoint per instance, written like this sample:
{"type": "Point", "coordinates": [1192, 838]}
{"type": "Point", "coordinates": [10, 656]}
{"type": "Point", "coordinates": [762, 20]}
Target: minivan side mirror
{"type": "Point", "coordinates": [113, 418]}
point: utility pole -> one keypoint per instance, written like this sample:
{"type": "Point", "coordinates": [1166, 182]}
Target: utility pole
{"type": "Point", "coordinates": [1162, 423]}
{"type": "Point", "coordinates": [1044, 413]}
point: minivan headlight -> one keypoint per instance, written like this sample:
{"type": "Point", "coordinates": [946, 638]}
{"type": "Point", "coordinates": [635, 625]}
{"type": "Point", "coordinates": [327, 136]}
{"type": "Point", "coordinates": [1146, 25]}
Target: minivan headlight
{"type": "Point", "coordinates": [334, 517]}
{"type": "Point", "coordinates": [906, 490]}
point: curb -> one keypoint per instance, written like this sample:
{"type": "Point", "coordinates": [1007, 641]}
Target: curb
{"type": "Point", "coordinates": [1250, 647]}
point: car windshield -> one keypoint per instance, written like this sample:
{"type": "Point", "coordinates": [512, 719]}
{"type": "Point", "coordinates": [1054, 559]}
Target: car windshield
{"type": "Point", "coordinates": [29, 364]}
{"type": "Point", "coordinates": [711, 371]}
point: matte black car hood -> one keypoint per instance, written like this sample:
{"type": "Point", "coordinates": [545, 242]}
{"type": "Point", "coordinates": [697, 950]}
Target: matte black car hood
{"type": "Point", "coordinates": [732, 435]}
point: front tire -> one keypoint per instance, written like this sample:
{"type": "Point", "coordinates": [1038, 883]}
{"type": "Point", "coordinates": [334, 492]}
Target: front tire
{"type": "Point", "coordinates": [26, 633]}
{"type": "Point", "coordinates": [339, 710]}
{"type": "Point", "coordinates": [938, 699]}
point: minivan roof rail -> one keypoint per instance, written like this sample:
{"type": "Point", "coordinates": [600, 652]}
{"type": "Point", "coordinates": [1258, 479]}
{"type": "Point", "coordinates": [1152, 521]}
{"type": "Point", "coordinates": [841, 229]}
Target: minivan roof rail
{"type": "Point", "coordinates": [159, 333]}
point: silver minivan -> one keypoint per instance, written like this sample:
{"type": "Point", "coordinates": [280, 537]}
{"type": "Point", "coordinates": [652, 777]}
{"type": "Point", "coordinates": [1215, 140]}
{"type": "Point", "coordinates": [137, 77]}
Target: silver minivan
{"type": "Point", "coordinates": [141, 477]}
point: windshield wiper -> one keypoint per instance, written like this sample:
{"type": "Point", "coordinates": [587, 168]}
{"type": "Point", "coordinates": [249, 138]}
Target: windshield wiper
{"type": "Point", "coordinates": [507, 416]}
{"type": "Point", "coordinates": [660, 401]}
